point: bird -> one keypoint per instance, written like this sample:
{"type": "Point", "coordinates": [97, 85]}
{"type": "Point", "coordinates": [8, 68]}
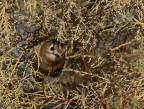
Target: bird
{"type": "Point", "coordinates": [51, 58]}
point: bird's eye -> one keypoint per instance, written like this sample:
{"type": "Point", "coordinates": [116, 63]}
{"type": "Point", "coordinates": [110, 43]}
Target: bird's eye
{"type": "Point", "coordinates": [52, 48]}
{"type": "Point", "coordinates": [62, 45]}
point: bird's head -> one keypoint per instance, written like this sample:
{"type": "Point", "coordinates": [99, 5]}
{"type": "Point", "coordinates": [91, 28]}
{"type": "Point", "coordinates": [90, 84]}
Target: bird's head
{"type": "Point", "coordinates": [53, 50]}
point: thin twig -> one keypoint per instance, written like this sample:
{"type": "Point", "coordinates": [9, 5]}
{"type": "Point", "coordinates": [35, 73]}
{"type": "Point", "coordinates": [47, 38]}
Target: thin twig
{"type": "Point", "coordinates": [84, 62]}
{"type": "Point", "coordinates": [19, 59]}
{"type": "Point", "coordinates": [118, 47]}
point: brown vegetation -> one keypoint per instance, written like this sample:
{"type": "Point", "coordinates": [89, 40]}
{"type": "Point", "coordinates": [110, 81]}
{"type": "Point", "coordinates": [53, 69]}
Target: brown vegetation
{"type": "Point", "coordinates": [104, 60]}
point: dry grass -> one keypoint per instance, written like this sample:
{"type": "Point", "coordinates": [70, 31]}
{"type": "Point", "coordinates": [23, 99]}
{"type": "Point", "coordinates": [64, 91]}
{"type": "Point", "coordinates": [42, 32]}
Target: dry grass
{"type": "Point", "coordinates": [104, 68]}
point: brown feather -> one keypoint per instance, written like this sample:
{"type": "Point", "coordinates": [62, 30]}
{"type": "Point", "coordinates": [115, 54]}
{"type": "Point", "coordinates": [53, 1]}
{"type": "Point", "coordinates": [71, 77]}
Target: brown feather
{"type": "Point", "coordinates": [44, 62]}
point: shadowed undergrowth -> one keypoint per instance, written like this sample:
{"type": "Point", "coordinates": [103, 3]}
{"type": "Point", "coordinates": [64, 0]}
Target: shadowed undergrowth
{"type": "Point", "coordinates": [104, 60]}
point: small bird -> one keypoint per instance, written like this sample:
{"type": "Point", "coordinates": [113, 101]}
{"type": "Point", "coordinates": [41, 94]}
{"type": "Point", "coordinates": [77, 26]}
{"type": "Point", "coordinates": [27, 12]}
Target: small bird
{"type": "Point", "coordinates": [51, 58]}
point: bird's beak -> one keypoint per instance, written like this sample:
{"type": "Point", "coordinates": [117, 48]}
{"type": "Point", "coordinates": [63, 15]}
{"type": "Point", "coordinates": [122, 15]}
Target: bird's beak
{"type": "Point", "coordinates": [57, 55]}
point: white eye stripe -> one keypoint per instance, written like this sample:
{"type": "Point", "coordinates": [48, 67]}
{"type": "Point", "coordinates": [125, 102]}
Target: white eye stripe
{"type": "Point", "coordinates": [51, 45]}
{"type": "Point", "coordinates": [57, 50]}
{"type": "Point", "coordinates": [49, 49]}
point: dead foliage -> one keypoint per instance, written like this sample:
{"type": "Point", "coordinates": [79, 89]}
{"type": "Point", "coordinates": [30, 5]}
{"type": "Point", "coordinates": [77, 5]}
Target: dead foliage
{"type": "Point", "coordinates": [104, 62]}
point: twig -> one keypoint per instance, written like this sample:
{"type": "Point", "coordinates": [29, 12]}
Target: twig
{"type": "Point", "coordinates": [100, 98]}
{"type": "Point", "coordinates": [69, 101]}
{"type": "Point", "coordinates": [126, 96]}
{"type": "Point", "coordinates": [118, 47]}
{"type": "Point", "coordinates": [63, 99]}
{"type": "Point", "coordinates": [22, 54]}
{"type": "Point", "coordinates": [84, 63]}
